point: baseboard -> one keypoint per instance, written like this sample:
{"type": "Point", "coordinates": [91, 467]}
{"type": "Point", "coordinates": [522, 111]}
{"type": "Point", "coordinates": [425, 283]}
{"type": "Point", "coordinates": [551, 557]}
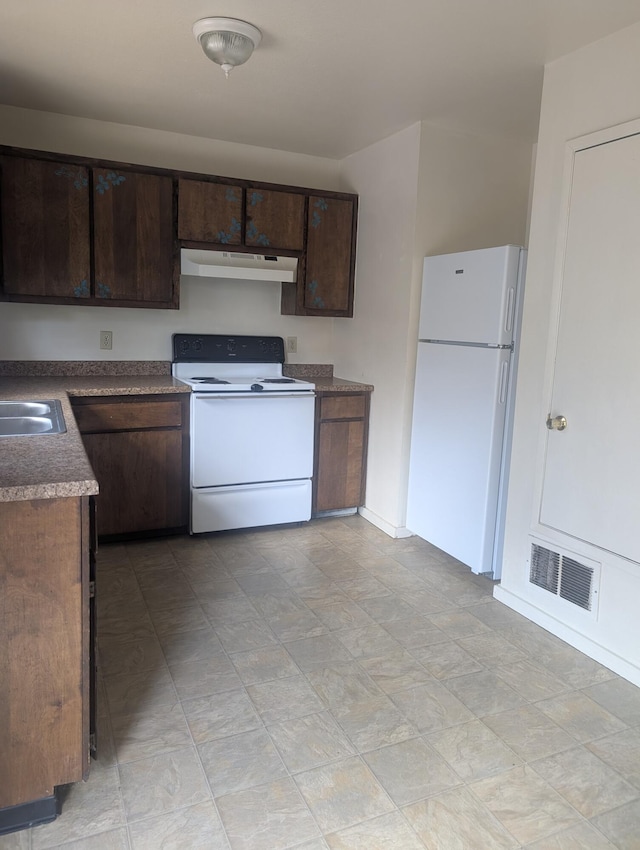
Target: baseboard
{"type": "Point", "coordinates": [594, 650]}
{"type": "Point", "coordinates": [383, 525]}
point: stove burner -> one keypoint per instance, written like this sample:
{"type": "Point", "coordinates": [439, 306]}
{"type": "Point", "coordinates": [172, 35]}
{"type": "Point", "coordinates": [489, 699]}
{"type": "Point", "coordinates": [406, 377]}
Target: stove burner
{"type": "Point", "coordinates": [277, 380]}
{"type": "Point", "coordinates": [200, 380]}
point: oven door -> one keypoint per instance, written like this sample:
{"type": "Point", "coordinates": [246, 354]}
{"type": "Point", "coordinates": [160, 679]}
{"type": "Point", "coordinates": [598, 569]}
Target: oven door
{"type": "Point", "coordinates": [247, 438]}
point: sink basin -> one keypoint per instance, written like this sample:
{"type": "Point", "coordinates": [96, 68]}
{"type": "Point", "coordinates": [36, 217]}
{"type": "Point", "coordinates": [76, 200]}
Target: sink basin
{"type": "Point", "coordinates": [31, 418]}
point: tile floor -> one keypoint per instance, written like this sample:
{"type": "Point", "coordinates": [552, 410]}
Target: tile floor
{"type": "Point", "coordinates": [327, 688]}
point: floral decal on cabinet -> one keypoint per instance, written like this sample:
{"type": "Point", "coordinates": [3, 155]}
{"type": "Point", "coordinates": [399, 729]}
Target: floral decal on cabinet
{"type": "Point", "coordinates": [102, 290]}
{"type": "Point", "coordinates": [82, 290]}
{"type": "Point", "coordinates": [80, 179]}
{"type": "Point", "coordinates": [316, 300]}
{"type": "Point", "coordinates": [255, 236]}
{"type": "Point", "coordinates": [104, 183]}
{"type": "Point", "coordinates": [226, 236]}
{"type": "Point", "coordinates": [319, 206]}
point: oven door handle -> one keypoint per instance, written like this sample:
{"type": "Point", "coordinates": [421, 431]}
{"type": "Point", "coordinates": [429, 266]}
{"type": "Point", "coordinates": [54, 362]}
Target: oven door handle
{"type": "Point", "coordinates": [264, 395]}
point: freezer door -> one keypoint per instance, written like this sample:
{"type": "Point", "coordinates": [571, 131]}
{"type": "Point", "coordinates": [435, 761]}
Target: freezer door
{"type": "Point", "coordinates": [456, 449]}
{"type": "Point", "coordinates": [470, 297]}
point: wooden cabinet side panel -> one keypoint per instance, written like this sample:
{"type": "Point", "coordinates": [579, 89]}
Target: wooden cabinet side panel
{"type": "Point", "coordinates": [140, 474]}
{"type": "Point", "coordinates": [339, 475]}
{"type": "Point", "coordinates": [45, 228]}
{"type": "Point", "coordinates": [275, 219]}
{"type": "Point", "coordinates": [42, 623]}
{"type": "Point", "coordinates": [328, 285]}
{"type": "Point", "coordinates": [133, 236]}
{"type": "Point", "coordinates": [209, 212]}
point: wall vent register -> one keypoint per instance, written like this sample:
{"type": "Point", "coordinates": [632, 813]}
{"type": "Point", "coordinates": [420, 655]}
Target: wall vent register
{"type": "Point", "coordinates": [563, 576]}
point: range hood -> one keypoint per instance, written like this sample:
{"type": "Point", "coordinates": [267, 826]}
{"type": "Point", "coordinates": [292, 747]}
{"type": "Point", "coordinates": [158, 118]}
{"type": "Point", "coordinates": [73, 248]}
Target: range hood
{"type": "Point", "coordinates": [236, 265]}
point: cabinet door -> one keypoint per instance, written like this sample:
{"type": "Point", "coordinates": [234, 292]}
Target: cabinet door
{"type": "Point", "coordinates": [134, 237]}
{"type": "Point", "coordinates": [209, 212]}
{"type": "Point", "coordinates": [330, 257]}
{"type": "Point", "coordinates": [140, 474]}
{"type": "Point", "coordinates": [340, 465]}
{"type": "Point", "coordinates": [274, 219]}
{"type": "Point", "coordinates": [45, 228]}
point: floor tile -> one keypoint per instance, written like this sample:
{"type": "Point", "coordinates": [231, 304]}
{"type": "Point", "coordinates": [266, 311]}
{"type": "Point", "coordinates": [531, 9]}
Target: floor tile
{"type": "Point", "coordinates": [473, 750]}
{"type": "Point", "coordinates": [446, 659]}
{"type": "Point", "coordinates": [591, 786]}
{"type": "Point", "coordinates": [163, 783]}
{"type": "Point", "coordinates": [230, 610]}
{"type": "Point", "coordinates": [342, 794]}
{"type": "Point", "coordinates": [310, 741]}
{"type": "Point", "coordinates": [619, 697]}
{"type": "Point", "coordinates": [316, 652]}
{"type": "Point", "coordinates": [240, 762]}
{"type": "Point", "coordinates": [622, 752]}
{"type": "Point", "coordinates": [367, 642]}
{"type": "Point", "coordinates": [296, 626]}
{"type": "Point", "coordinates": [366, 587]}
{"type": "Point", "coordinates": [220, 715]}
{"type": "Point", "coordinates": [530, 681]}
{"type": "Point", "coordinates": [271, 817]}
{"type": "Point", "coordinates": [458, 624]}
{"type": "Point", "coordinates": [431, 707]}
{"type": "Point", "coordinates": [241, 637]}
{"type": "Point", "coordinates": [284, 699]}
{"type": "Point", "coordinates": [114, 839]}
{"type": "Point", "coordinates": [456, 819]}
{"type": "Point", "coordinates": [525, 805]}
{"type": "Point", "coordinates": [156, 730]}
{"type": "Point", "coordinates": [492, 650]}
{"type": "Point", "coordinates": [373, 723]}
{"type": "Point", "coordinates": [396, 671]}
{"type": "Point", "coordinates": [190, 646]}
{"type": "Point", "coordinates": [263, 665]}
{"type": "Point", "coordinates": [89, 808]}
{"type": "Point", "coordinates": [322, 593]}
{"type": "Point", "coordinates": [415, 631]}
{"type": "Point", "coordinates": [529, 732]}
{"type": "Point", "coordinates": [172, 621]}
{"type": "Point", "coordinates": [118, 658]}
{"type": "Point", "coordinates": [621, 826]}
{"type": "Point", "coordinates": [387, 832]}
{"type": "Point", "coordinates": [200, 678]}
{"type": "Point", "coordinates": [194, 827]}
{"type": "Point", "coordinates": [484, 693]}
{"type": "Point", "coordinates": [343, 615]}
{"type": "Point", "coordinates": [385, 608]}
{"type": "Point", "coordinates": [135, 692]}
{"type": "Point", "coordinates": [584, 836]}
{"type": "Point", "coordinates": [410, 771]}
{"type": "Point", "coordinates": [579, 715]}
{"type": "Point", "coordinates": [341, 685]}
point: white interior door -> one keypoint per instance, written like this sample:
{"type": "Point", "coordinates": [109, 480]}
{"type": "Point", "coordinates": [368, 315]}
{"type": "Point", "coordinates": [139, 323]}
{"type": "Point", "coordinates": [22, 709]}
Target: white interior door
{"type": "Point", "coordinates": [592, 468]}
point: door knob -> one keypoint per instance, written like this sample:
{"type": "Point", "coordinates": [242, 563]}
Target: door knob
{"type": "Point", "coordinates": [556, 423]}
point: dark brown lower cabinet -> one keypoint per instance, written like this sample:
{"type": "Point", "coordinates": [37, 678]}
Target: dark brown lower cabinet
{"type": "Point", "coordinates": [342, 428]}
{"type": "Point", "coordinates": [45, 666]}
{"type": "Point", "coordinates": [138, 447]}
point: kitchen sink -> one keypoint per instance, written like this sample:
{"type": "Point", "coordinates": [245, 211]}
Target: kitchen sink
{"type": "Point", "coordinates": [31, 418]}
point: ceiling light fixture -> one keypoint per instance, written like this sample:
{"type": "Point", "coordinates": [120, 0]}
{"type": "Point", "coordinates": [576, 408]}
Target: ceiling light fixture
{"type": "Point", "coordinates": [227, 41]}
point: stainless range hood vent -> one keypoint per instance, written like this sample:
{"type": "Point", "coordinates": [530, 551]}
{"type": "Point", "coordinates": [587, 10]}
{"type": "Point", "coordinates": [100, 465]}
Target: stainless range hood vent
{"type": "Point", "coordinates": [237, 266]}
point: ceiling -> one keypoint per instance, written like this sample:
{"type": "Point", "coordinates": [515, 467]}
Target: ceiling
{"type": "Point", "coordinates": [328, 79]}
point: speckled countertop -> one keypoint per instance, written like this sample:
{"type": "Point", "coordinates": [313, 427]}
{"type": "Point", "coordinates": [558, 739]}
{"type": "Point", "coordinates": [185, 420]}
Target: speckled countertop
{"type": "Point", "coordinates": [55, 465]}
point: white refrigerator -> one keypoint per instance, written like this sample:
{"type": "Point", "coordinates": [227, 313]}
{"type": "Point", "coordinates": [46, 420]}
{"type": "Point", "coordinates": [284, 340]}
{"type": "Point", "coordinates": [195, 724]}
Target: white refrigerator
{"type": "Point", "coordinates": [463, 402]}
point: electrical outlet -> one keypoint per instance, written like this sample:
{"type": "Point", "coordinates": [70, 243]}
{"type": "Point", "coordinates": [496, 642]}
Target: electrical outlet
{"type": "Point", "coordinates": [106, 340]}
{"type": "Point", "coordinates": [292, 344]}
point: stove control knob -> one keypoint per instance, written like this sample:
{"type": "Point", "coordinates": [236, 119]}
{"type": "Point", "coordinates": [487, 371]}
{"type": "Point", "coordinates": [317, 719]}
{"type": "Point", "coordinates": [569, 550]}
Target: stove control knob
{"type": "Point", "coordinates": [256, 388]}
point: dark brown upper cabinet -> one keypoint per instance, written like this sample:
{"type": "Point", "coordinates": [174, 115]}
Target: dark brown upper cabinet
{"type": "Point", "coordinates": [328, 282]}
{"type": "Point", "coordinates": [274, 220]}
{"type": "Point", "coordinates": [209, 212]}
{"type": "Point", "coordinates": [45, 229]}
{"type": "Point", "coordinates": [133, 237]}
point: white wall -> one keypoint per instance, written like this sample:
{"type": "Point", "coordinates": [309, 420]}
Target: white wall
{"type": "Point", "coordinates": [426, 190]}
{"type": "Point", "coordinates": [36, 332]}
{"type": "Point", "coordinates": [591, 89]}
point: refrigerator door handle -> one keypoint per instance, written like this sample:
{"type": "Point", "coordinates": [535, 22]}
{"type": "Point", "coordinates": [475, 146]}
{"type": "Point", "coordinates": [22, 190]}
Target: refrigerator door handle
{"type": "Point", "coordinates": [510, 311]}
{"type": "Point", "coordinates": [504, 382]}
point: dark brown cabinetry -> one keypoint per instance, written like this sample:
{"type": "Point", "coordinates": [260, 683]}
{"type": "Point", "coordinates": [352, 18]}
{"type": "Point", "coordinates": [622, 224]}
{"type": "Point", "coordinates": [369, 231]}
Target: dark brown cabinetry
{"type": "Point", "coordinates": [45, 229]}
{"type": "Point", "coordinates": [209, 212]}
{"type": "Point", "coordinates": [138, 448]}
{"type": "Point", "coordinates": [45, 659]}
{"type": "Point", "coordinates": [342, 427]}
{"type": "Point", "coordinates": [134, 238]}
{"type": "Point", "coordinates": [274, 219]}
{"type": "Point", "coordinates": [328, 284]}
{"type": "Point", "coordinates": [77, 234]}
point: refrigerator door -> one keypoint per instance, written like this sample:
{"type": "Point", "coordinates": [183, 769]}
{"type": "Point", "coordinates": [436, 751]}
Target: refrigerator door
{"type": "Point", "coordinates": [456, 449]}
{"type": "Point", "coordinates": [471, 296]}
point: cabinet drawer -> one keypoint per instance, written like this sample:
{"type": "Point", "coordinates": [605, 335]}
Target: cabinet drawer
{"type": "Point", "coordinates": [343, 407]}
{"type": "Point", "coordinates": [123, 416]}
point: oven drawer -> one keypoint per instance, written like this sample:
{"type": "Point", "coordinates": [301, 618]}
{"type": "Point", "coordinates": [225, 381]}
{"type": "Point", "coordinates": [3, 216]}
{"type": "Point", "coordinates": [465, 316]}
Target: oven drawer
{"type": "Point", "coordinates": [251, 505]}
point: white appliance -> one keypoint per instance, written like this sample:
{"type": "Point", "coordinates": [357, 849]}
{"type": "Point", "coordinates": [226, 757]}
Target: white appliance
{"type": "Point", "coordinates": [251, 432]}
{"type": "Point", "coordinates": [463, 402]}
{"type": "Point", "coordinates": [237, 265]}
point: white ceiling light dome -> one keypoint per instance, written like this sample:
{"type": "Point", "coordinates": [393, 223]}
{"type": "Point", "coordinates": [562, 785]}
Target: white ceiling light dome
{"type": "Point", "coordinates": [227, 41]}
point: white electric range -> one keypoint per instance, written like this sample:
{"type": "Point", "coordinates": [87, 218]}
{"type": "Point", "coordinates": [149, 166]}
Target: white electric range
{"type": "Point", "coordinates": [251, 431]}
